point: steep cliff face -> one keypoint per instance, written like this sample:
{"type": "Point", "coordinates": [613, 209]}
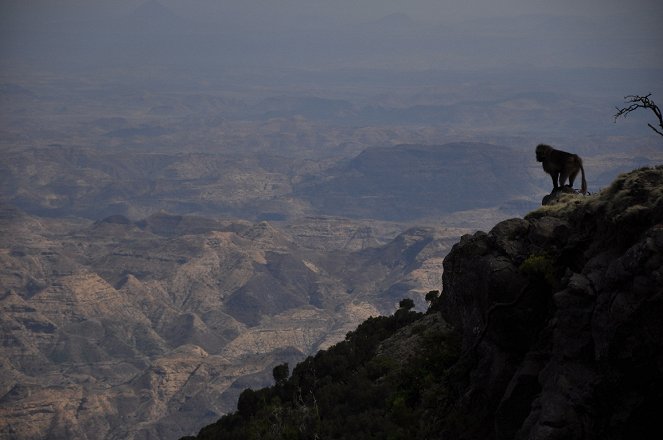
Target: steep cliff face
{"type": "Point", "coordinates": [548, 328]}
{"type": "Point", "coordinates": [560, 315]}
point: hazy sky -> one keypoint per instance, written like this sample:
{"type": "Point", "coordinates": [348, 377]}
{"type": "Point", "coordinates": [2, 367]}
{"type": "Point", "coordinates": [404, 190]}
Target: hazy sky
{"type": "Point", "coordinates": [441, 33]}
{"type": "Point", "coordinates": [356, 10]}
{"type": "Point", "coordinates": [614, 46]}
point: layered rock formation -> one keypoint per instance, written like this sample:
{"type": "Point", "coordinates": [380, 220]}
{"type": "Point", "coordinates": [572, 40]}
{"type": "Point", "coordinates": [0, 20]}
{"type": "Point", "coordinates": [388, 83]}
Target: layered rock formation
{"type": "Point", "coordinates": [133, 330]}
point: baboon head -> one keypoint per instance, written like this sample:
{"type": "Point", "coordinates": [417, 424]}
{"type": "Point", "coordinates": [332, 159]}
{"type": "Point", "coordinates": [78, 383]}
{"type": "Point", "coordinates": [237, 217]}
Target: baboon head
{"type": "Point", "coordinates": [542, 151]}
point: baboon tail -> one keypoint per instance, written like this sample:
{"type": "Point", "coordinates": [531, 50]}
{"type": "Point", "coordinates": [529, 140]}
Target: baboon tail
{"type": "Point", "coordinates": [583, 188]}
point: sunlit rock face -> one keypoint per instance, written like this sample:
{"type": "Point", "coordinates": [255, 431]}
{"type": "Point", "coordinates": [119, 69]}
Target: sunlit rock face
{"type": "Point", "coordinates": [151, 328]}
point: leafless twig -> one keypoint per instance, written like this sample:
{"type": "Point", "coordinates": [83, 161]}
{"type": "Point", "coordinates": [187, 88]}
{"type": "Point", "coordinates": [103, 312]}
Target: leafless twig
{"type": "Point", "coordinates": [635, 102]}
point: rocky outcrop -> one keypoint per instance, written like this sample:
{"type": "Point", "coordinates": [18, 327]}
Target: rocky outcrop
{"type": "Point", "coordinates": [560, 316]}
{"type": "Point", "coordinates": [548, 328]}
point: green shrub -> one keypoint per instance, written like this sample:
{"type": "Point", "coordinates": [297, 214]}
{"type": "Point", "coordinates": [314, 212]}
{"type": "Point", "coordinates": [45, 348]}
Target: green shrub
{"type": "Point", "coordinates": [540, 267]}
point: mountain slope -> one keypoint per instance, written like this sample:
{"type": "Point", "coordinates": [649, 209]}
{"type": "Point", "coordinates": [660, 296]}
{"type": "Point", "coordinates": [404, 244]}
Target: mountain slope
{"type": "Point", "coordinates": [143, 329]}
{"type": "Point", "coordinates": [548, 327]}
{"type": "Point", "coordinates": [406, 182]}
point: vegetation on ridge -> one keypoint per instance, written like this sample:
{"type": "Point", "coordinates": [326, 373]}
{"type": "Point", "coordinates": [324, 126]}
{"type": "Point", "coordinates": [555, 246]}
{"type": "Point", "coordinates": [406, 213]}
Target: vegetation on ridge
{"type": "Point", "coordinates": [553, 331]}
{"type": "Point", "coordinates": [357, 389]}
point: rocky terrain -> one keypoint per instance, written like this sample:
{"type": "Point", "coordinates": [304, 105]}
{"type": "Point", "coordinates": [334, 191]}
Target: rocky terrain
{"type": "Point", "coordinates": [124, 320]}
{"type": "Point", "coordinates": [187, 200]}
{"type": "Point", "coordinates": [163, 248]}
{"type": "Point", "coordinates": [562, 321]}
{"type": "Point", "coordinates": [142, 329]}
{"type": "Point", "coordinates": [548, 327]}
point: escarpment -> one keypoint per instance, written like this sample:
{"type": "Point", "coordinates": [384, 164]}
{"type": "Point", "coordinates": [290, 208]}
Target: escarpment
{"type": "Point", "coordinates": [560, 314]}
{"type": "Point", "coordinates": [548, 327]}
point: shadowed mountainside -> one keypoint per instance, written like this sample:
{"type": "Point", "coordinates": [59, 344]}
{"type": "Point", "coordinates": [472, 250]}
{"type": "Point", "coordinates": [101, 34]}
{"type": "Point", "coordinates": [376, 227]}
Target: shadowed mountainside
{"type": "Point", "coordinates": [407, 182]}
{"type": "Point", "coordinates": [548, 327]}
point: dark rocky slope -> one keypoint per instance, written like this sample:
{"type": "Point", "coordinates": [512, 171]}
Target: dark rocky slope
{"type": "Point", "coordinates": [558, 318]}
{"type": "Point", "coordinates": [560, 314]}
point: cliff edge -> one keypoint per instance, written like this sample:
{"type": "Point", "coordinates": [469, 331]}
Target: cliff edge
{"type": "Point", "coordinates": [548, 327]}
{"type": "Point", "coordinates": [560, 315]}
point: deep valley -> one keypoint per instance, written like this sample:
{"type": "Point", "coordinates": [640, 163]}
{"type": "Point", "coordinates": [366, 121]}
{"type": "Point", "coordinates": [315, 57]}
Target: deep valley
{"type": "Point", "coordinates": [185, 206]}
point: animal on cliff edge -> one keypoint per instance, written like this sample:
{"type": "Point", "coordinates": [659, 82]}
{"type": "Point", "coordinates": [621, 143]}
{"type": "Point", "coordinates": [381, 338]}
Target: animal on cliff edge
{"type": "Point", "coordinates": [561, 166]}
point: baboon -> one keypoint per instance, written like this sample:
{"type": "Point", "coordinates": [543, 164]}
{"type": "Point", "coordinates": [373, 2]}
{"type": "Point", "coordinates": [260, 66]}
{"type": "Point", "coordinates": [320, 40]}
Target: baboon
{"type": "Point", "coordinates": [560, 165]}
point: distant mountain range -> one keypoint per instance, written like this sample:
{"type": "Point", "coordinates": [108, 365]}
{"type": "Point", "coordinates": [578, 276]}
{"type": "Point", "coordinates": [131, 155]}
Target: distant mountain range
{"type": "Point", "coordinates": [404, 182]}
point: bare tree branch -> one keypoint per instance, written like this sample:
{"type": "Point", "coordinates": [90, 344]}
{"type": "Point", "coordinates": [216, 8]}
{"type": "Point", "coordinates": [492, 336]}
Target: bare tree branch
{"type": "Point", "coordinates": [654, 128]}
{"type": "Point", "coordinates": [636, 102]}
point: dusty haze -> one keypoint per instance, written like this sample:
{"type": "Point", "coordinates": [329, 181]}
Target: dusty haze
{"type": "Point", "coordinates": [192, 192]}
{"type": "Point", "coordinates": [422, 34]}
